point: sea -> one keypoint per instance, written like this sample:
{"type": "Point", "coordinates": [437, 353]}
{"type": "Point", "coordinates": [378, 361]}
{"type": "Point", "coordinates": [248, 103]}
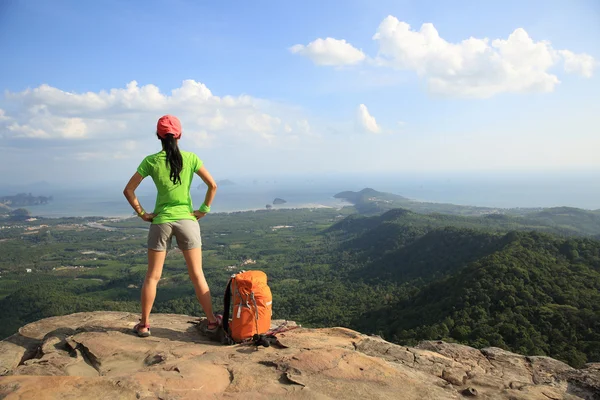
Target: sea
{"type": "Point", "coordinates": [499, 190]}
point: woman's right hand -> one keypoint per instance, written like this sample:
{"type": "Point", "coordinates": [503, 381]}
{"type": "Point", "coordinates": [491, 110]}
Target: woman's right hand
{"type": "Point", "coordinates": [148, 217]}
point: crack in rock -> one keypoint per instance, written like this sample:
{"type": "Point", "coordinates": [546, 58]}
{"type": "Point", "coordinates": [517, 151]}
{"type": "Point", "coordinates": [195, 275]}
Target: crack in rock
{"type": "Point", "coordinates": [153, 359]}
{"type": "Point", "coordinates": [89, 357]}
{"type": "Point", "coordinates": [287, 378]}
{"type": "Point", "coordinates": [231, 375]}
{"type": "Point", "coordinates": [550, 397]}
{"type": "Point", "coordinates": [289, 375]}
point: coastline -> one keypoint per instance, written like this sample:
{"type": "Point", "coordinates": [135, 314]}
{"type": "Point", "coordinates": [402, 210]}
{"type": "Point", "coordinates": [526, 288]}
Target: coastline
{"type": "Point", "coordinates": [122, 217]}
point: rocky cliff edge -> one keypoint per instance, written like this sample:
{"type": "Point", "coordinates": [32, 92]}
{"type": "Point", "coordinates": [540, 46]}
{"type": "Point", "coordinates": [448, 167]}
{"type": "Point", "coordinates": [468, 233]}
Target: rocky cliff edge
{"type": "Point", "coordinates": [96, 355]}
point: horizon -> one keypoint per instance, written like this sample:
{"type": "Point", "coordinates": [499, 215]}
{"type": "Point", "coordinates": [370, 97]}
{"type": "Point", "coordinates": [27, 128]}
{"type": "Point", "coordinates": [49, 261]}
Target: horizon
{"type": "Point", "coordinates": [381, 87]}
{"type": "Point", "coordinates": [324, 176]}
{"type": "Point", "coordinates": [482, 189]}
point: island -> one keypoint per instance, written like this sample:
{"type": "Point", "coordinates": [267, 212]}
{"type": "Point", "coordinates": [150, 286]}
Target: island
{"type": "Point", "coordinates": [279, 201]}
{"type": "Point", "coordinates": [24, 199]}
{"type": "Point", "coordinates": [371, 202]}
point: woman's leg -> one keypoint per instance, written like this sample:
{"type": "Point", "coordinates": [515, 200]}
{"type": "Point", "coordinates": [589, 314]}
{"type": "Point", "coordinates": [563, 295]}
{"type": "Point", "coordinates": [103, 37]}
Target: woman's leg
{"type": "Point", "coordinates": [156, 260]}
{"type": "Point", "coordinates": [193, 259]}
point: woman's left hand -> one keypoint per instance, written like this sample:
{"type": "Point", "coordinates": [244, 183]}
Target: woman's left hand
{"type": "Point", "coordinates": [197, 214]}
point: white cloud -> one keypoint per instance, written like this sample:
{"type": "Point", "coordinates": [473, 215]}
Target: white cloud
{"type": "Point", "coordinates": [72, 128]}
{"type": "Point", "coordinates": [40, 124]}
{"type": "Point", "coordinates": [202, 139]}
{"type": "Point", "coordinates": [366, 121]}
{"type": "Point", "coordinates": [26, 131]}
{"type": "Point", "coordinates": [474, 67]}
{"type": "Point", "coordinates": [303, 126]}
{"type": "Point", "coordinates": [191, 96]}
{"type": "Point", "coordinates": [263, 123]}
{"type": "Point", "coordinates": [3, 116]}
{"type": "Point", "coordinates": [217, 122]}
{"type": "Point", "coordinates": [330, 51]}
{"type": "Point", "coordinates": [49, 113]}
{"type": "Point", "coordinates": [582, 64]}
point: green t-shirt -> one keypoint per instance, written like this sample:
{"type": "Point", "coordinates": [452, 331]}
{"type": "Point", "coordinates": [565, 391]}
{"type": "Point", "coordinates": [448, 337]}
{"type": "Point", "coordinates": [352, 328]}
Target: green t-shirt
{"type": "Point", "coordinates": [173, 202]}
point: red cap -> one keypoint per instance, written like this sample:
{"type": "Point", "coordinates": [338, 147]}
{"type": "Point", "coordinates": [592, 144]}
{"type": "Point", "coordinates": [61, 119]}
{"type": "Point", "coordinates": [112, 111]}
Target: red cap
{"type": "Point", "coordinates": [168, 124]}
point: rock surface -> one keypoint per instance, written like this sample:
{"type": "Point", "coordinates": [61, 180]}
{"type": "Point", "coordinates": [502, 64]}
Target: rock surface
{"type": "Point", "coordinates": [96, 355]}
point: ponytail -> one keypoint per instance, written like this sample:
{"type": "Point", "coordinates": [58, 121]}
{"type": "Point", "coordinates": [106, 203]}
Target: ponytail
{"type": "Point", "coordinates": [174, 159]}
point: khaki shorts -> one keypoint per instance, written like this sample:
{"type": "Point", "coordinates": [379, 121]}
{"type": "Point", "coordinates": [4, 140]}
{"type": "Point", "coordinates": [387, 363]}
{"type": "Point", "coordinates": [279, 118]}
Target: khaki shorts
{"type": "Point", "coordinates": [186, 231]}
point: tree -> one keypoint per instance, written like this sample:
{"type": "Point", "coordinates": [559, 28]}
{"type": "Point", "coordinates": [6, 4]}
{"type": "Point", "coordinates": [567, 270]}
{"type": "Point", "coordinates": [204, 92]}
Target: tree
{"type": "Point", "coordinates": [20, 214]}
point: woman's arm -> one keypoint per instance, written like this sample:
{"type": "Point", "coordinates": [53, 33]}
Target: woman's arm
{"type": "Point", "coordinates": [129, 193]}
{"type": "Point", "coordinates": [210, 191]}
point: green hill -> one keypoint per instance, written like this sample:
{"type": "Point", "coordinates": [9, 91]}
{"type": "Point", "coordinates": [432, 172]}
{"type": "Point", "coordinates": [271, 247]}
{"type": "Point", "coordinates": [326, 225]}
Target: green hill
{"type": "Point", "coordinates": [561, 220]}
{"type": "Point", "coordinates": [435, 254]}
{"type": "Point", "coordinates": [536, 294]}
{"type": "Point", "coordinates": [477, 284]}
{"type": "Point", "coordinates": [586, 222]}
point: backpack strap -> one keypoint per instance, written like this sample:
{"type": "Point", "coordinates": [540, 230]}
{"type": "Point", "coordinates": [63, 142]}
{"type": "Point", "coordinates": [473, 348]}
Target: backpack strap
{"type": "Point", "coordinates": [227, 306]}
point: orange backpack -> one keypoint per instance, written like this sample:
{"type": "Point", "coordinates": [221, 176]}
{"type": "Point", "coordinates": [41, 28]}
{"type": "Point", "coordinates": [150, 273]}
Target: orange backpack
{"type": "Point", "coordinates": [252, 305]}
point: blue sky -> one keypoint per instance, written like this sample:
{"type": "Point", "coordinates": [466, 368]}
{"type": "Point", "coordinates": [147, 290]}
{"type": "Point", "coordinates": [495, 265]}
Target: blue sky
{"type": "Point", "coordinates": [268, 91]}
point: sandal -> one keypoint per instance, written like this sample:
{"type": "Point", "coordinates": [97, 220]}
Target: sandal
{"type": "Point", "coordinates": [213, 326]}
{"type": "Point", "coordinates": [139, 326]}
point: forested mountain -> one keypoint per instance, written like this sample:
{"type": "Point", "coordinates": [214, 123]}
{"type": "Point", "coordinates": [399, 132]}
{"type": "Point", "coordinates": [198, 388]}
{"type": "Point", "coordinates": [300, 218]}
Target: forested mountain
{"type": "Point", "coordinates": [563, 220]}
{"type": "Point", "coordinates": [582, 221]}
{"type": "Point", "coordinates": [530, 292]}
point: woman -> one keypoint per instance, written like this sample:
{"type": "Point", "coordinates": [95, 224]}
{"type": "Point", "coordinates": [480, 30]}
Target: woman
{"type": "Point", "coordinates": [172, 171]}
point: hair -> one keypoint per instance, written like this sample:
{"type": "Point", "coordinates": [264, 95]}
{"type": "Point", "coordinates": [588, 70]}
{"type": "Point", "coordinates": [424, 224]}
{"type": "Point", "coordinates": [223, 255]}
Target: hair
{"type": "Point", "coordinates": [174, 159]}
